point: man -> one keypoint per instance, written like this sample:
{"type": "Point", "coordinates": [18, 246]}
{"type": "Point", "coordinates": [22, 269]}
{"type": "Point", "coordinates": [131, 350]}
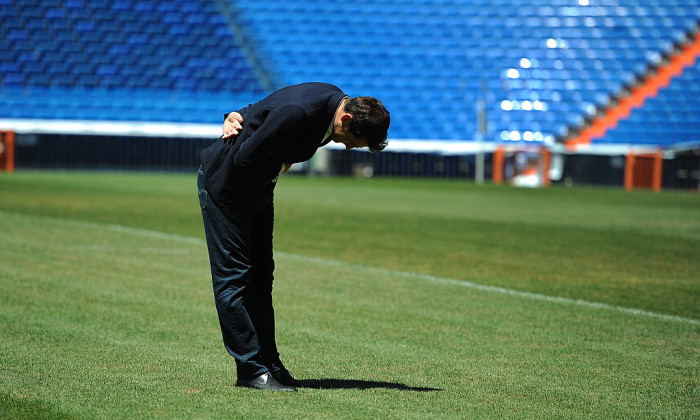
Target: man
{"type": "Point", "coordinates": [236, 183]}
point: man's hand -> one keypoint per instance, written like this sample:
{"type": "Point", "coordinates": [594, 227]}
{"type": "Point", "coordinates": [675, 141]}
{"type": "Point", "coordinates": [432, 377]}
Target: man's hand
{"type": "Point", "coordinates": [232, 125]}
{"type": "Point", "coordinates": [285, 167]}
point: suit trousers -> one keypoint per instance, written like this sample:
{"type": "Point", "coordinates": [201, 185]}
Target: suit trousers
{"type": "Point", "coordinates": [242, 266]}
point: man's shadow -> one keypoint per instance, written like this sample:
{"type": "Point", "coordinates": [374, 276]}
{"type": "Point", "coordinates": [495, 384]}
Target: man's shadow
{"type": "Point", "coordinates": [360, 384]}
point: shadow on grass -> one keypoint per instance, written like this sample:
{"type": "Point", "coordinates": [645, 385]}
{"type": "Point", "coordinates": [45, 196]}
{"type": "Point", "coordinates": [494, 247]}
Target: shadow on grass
{"type": "Point", "coordinates": [20, 407]}
{"type": "Point", "coordinates": [360, 384]}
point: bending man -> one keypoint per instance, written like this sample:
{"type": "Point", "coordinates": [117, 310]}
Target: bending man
{"type": "Point", "coordinates": [236, 183]}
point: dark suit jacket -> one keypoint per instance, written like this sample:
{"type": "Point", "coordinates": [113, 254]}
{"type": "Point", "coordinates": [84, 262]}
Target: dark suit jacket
{"type": "Point", "coordinates": [285, 127]}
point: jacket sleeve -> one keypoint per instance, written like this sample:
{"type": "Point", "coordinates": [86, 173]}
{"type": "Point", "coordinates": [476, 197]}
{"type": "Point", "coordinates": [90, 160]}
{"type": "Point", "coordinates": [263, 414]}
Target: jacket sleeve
{"type": "Point", "coordinates": [243, 111]}
{"type": "Point", "coordinates": [281, 125]}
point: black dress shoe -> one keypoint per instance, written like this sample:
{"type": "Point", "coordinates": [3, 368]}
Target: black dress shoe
{"type": "Point", "coordinates": [266, 382]}
{"type": "Point", "coordinates": [285, 378]}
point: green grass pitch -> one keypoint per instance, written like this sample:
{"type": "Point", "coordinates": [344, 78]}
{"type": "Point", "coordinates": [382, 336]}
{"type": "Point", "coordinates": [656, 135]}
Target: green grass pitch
{"type": "Point", "coordinates": [394, 299]}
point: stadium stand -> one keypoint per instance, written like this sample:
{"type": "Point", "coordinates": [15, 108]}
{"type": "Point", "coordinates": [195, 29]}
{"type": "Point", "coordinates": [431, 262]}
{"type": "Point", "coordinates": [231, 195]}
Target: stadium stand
{"type": "Point", "coordinates": [543, 67]}
{"type": "Point", "coordinates": [120, 60]}
{"type": "Point", "coordinates": [669, 118]}
{"type": "Point", "coordinates": [546, 65]}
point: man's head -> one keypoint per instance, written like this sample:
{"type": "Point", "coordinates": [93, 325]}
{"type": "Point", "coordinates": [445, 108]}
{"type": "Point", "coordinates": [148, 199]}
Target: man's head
{"type": "Point", "coordinates": [362, 122]}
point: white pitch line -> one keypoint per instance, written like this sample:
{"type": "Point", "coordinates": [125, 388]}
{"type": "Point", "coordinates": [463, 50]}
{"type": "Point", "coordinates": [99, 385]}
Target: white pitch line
{"type": "Point", "coordinates": [426, 277]}
{"type": "Point", "coordinates": [493, 289]}
{"type": "Point", "coordinates": [405, 274]}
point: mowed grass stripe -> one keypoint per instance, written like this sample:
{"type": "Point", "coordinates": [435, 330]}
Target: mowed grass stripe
{"type": "Point", "coordinates": [633, 250]}
{"type": "Point", "coordinates": [119, 322]}
{"type": "Point", "coordinates": [383, 271]}
{"type": "Point", "coordinates": [131, 332]}
{"type": "Point", "coordinates": [492, 289]}
{"type": "Point", "coordinates": [424, 277]}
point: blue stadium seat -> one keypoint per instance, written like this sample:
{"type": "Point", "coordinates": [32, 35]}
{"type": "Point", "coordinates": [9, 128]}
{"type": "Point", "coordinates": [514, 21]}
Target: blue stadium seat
{"type": "Point", "coordinates": [119, 45]}
{"type": "Point", "coordinates": [421, 58]}
{"type": "Point", "coordinates": [432, 38]}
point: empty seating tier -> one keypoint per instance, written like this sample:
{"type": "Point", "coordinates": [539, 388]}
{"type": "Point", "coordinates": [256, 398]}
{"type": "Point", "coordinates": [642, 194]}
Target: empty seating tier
{"type": "Point", "coordinates": [541, 67]}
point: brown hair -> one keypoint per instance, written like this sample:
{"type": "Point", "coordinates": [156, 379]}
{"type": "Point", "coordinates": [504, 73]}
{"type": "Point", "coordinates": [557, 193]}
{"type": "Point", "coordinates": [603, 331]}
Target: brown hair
{"type": "Point", "coordinates": [370, 121]}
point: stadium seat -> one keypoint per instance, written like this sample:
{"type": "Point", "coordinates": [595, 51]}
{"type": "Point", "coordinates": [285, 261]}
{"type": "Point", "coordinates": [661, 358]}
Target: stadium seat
{"type": "Point", "coordinates": [434, 59]}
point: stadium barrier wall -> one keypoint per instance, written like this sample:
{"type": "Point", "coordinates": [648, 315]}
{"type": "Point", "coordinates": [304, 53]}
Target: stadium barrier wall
{"type": "Point", "coordinates": [677, 170]}
{"type": "Point", "coordinates": [116, 153]}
